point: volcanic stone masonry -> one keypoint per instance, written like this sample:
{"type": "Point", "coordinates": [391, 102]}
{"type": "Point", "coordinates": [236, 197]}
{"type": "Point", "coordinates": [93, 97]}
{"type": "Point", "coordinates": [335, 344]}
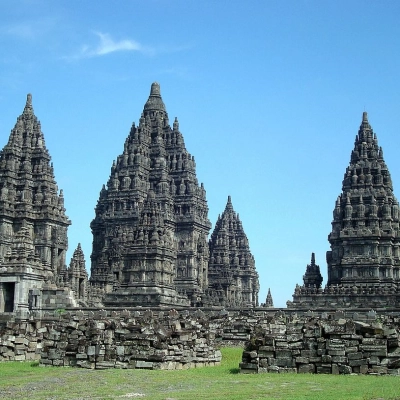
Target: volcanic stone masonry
{"type": "Point", "coordinates": [151, 226]}
{"type": "Point", "coordinates": [232, 276]}
{"type": "Point", "coordinates": [330, 344]}
{"type": "Point", "coordinates": [364, 262]}
{"type": "Point", "coordinates": [149, 234]}
{"type": "Point", "coordinates": [33, 224]}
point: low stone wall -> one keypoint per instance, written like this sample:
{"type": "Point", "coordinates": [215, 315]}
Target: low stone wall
{"type": "Point", "coordinates": [324, 345]}
{"type": "Point", "coordinates": [162, 341]}
{"type": "Point", "coordinates": [335, 342]}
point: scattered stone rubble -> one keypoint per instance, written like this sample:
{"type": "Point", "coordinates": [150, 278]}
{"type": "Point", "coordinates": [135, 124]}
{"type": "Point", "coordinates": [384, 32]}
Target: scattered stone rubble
{"type": "Point", "coordinates": [150, 341]}
{"type": "Point", "coordinates": [275, 342]}
{"type": "Point", "coordinates": [324, 346]}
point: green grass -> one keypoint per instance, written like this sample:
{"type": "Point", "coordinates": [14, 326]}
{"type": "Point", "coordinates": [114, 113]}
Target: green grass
{"type": "Point", "coordinates": [27, 381]}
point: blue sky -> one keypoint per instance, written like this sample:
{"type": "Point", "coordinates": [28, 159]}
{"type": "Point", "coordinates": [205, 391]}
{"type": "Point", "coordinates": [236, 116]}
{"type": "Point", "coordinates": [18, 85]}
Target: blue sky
{"type": "Point", "coordinates": [269, 96]}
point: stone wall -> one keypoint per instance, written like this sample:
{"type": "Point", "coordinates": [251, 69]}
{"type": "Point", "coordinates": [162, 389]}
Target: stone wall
{"type": "Point", "coordinates": [276, 341]}
{"type": "Point", "coordinates": [324, 345]}
{"type": "Point", "coordinates": [161, 341]}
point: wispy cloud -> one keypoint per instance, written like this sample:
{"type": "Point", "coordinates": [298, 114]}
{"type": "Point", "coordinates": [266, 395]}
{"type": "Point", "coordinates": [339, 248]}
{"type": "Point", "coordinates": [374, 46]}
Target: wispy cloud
{"type": "Point", "coordinates": [108, 45]}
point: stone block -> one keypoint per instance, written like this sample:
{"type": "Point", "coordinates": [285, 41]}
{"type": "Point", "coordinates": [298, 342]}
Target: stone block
{"type": "Point", "coordinates": [393, 371]}
{"type": "Point", "coordinates": [252, 366]}
{"type": "Point", "coordinates": [352, 349]}
{"type": "Point", "coordinates": [378, 369]}
{"type": "Point", "coordinates": [339, 359]}
{"type": "Point", "coordinates": [363, 369]}
{"type": "Point", "coordinates": [326, 358]}
{"type": "Point", "coordinates": [306, 369]}
{"type": "Point", "coordinates": [324, 369]}
{"type": "Point", "coordinates": [354, 363]}
{"type": "Point", "coordinates": [296, 345]}
{"type": "Point", "coordinates": [283, 354]}
{"type": "Point", "coordinates": [285, 362]}
{"type": "Point", "coordinates": [302, 360]}
{"type": "Point", "coordinates": [344, 369]}
{"type": "Point", "coordinates": [355, 356]}
{"type": "Point", "coordinates": [85, 364]}
{"type": "Point", "coordinates": [295, 338]}
{"type": "Point", "coordinates": [265, 354]}
{"type": "Point", "coordinates": [336, 352]}
{"type": "Point", "coordinates": [266, 348]}
{"type": "Point", "coordinates": [308, 353]}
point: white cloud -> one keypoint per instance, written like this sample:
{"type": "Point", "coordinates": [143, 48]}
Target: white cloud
{"type": "Point", "coordinates": [108, 45]}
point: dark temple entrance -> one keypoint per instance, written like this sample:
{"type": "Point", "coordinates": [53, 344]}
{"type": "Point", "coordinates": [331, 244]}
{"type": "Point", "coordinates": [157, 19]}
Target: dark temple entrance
{"type": "Point", "coordinates": [9, 293]}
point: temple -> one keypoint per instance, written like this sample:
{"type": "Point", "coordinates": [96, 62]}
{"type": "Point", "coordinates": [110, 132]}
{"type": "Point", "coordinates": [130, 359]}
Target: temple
{"type": "Point", "coordinates": [33, 223]}
{"type": "Point", "coordinates": [151, 225]}
{"type": "Point", "coordinates": [363, 263]}
{"type": "Point", "coordinates": [232, 276]}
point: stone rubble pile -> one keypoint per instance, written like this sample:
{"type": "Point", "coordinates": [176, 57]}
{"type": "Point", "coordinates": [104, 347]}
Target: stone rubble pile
{"type": "Point", "coordinates": [149, 341]}
{"type": "Point", "coordinates": [323, 346]}
{"type": "Point", "coordinates": [21, 341]}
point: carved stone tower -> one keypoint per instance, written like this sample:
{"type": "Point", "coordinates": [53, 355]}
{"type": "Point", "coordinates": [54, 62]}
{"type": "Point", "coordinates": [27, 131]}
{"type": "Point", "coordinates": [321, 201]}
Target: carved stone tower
{"type": "Point", "coordinates": [365, 229]}
{"type": "Point", "coordinates": [151, 225]}
{"type": "Point", "coordinates": [269, 302]}
{"type": "Point", "coordinates": [77, 276]}
{"type": "Point", "coordinates": [312, 277]}
{"type": "Point", "coordinates": [33, 224]}
{"type": "Point", "coordinates": [233, 279]}
{"type": "Point", "coordinates": [364, 260]}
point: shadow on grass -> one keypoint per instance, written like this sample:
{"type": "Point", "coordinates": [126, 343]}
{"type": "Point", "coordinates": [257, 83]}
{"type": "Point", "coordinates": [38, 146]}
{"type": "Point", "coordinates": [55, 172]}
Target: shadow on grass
{"type": "Point", "coordinates": [234, 370]}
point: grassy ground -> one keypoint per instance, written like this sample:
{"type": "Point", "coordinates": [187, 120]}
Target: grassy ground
{"type": "Point", "coordinates": [29, 381]}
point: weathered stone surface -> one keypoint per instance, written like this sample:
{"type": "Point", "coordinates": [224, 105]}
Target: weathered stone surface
{"type": "Point", "coordinates": [345, 353]}
{"type": "Point", "coordinates": [363, 263]}
{"type": "Point", "coordinates": [233, 279]}
{"type": "Point", "coordinates": [151, 225]}
{"type": "Point", "coordinates": [33, 239]}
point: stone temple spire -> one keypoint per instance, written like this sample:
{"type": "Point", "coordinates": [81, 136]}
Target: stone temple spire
{"type": "Point", "coordinates": [77, 276]}
{"type": "Point", "coordinates": [233, 279]}
{"type": "Point", "coordinates": [365, 228]}
{"type": "Point", "coordinates": [312, 277]}
{"type": "Point", "coordinates": [151, 224]}
{"type": "Point", "coordinates": [30, 202]}
{"type": "Point", "coordinates": [269, 302]}
{"type": "Point", "coordinates": [364, 259]}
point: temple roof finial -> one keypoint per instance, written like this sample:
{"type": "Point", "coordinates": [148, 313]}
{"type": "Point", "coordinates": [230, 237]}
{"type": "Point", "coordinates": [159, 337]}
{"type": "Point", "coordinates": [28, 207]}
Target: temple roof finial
{"type": "Point", "coordinates": [229, 204]}
{"type": "Point", "coordinates": [155, 89]}
{"type": "Point", "coordinates": [154, 102]}
{"type": "Point", "coordinates": [28, 104]}
{"type": "Point", "coordinates": [365, 117]}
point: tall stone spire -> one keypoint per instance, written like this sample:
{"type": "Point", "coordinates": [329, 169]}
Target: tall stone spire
{"type": "Point", "coordinates": [31, 203]}
{"type": "Point", "coordinates": [364, 260]}
{"type": "Point", "coordinates": [269, 302]}
{"type": "Point", "coordinates": [365, 229]}
{"type": "Point", "coordinates": [151, 225]}
{"type": "Point", "coordinates": [77, 276]}
{"type": "Point", "coordinates": [233, 279]}
{"type": "Point", "coordinates": [312, 277]}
